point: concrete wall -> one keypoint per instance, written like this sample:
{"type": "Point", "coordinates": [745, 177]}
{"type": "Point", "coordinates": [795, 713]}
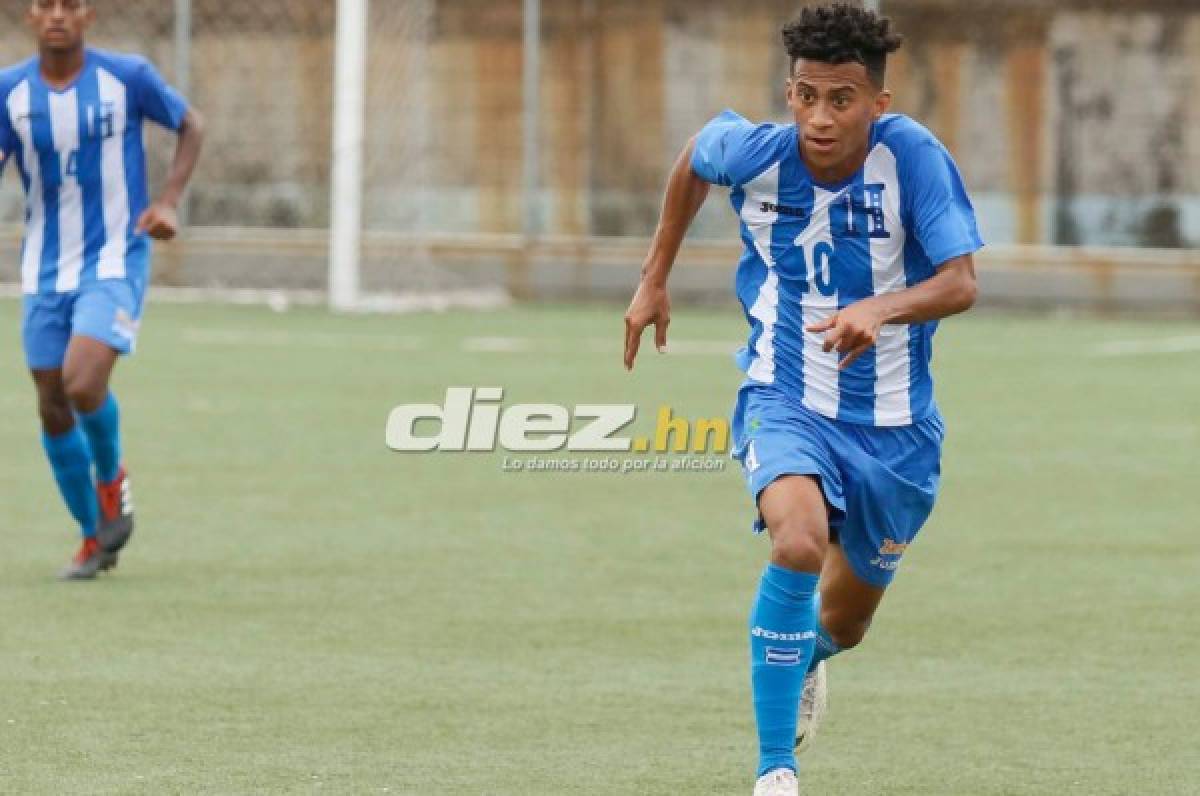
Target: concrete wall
{"type": "Point", "coordinates": [1071, 120]}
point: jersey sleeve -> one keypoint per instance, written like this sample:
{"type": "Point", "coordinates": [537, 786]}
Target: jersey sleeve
{"type": "Point", "coordinates": [158, 101]}
{"type": "Point", "coordinates": [730, 151]}
{"type": "Point", "coordinates": [940, 212]}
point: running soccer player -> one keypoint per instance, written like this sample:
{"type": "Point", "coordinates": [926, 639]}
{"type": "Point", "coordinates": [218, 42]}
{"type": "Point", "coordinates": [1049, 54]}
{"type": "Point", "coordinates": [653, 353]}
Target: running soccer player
{"type": "Point", "coordinates": [859, 237]}
{"type": "Point", "coordinates": [71, 119]}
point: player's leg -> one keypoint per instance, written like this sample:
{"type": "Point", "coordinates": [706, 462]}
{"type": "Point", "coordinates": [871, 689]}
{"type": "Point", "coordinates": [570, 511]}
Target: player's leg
{"type": "Point", "coordinates": [67, 449]}
{"type": "Point", "coordinates": [846, 607]}
{"type": "Point", "coordinates": [890, 479]}
{"type": "Point", "coordinates": [794, 509]}
{"type": "Point", "coordinates": [86, 374]}
{"type": "Point", "coordinates": [71, 462]}
{"type": "Point", "coordinates": [790, 474]}
{"type": "Point", "coordinates": [104, 327]}
{"type": "Point", "coordinates": [45, 331]}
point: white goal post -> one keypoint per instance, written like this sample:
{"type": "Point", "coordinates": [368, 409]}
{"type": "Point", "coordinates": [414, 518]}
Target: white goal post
{"type": "Point", "coordinates": [349, 143]}
{"type": "Point", "coordinates": [349, 139]}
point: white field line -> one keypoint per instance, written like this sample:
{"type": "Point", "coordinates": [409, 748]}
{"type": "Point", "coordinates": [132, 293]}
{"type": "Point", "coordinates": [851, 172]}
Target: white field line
{"type": "Point", "coordinates": [593, 345]}
{"type": "Point", "coordinates": [695, 348]}
{"type": "Point", "coordinates": [498, 345]}
{"type": "Point", "coordinates": [282, 300]}
{"type": "Point", "coordinates": [1164, 345]}
{"type": "Point", "coordinates": [279, 338]}
{"type": "Point", "coordinates": [238, 338]}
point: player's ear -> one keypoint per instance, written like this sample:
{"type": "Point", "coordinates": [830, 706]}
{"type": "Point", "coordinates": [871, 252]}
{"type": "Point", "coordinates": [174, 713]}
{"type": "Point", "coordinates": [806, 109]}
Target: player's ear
{"type": "Point", "coordinates": [883, 101]}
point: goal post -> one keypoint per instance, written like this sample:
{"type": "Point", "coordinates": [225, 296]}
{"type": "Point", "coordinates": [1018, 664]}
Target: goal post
{"type": "Point", "coordinates": [349, 139]}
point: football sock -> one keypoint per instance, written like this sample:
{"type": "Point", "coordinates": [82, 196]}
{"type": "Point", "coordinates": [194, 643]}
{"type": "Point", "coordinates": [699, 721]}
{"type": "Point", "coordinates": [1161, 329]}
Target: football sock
{"type": "Point", "coordinates": [72, 465]}
{"type": "Point", "coordinates": [104, 436]}
{"type": "Point", "coordinates": [781, 644]}
{"type": "Point", "coordinates": [824, 647]}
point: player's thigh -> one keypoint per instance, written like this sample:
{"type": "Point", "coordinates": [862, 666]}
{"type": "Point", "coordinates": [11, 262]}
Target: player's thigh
{"type": "Point", "coordinates": [46, 330]}
{"type": "Point", "coordinates": [104, 325]}
{"type": "Point", "coordinates": [109, 311]}
{"type": "Point", "coordinates": [786, 450]}
{"type": "Point", "coordinates": [794, 510]}
{"type": "Point", "coordinates": [86, 372]}
{"type": "Point", "coordinates": [848, 603]}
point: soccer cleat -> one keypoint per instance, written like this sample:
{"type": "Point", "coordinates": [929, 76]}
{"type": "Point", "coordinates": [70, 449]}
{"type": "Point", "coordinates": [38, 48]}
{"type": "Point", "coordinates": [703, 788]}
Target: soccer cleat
{"type": "Point", "coordinates": [813, 702]}
{"type": "Point", "coordinates": [780, 782]}
{"type": "Point", "coordinates": [116, 512]}
{"type": "Point", "coordinates": [88, 561]}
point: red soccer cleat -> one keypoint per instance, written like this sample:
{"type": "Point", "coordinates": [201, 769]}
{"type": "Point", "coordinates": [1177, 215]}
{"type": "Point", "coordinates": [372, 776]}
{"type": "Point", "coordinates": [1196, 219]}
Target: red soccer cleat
{"type": "Point", "coordinates": [116, 512]}
{"type": "Point", "coordinates": [90, 560]}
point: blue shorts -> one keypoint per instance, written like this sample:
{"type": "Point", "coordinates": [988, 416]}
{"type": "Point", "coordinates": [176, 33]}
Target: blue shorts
{"type": "Point", "coordinates": [108, 310]}
{"type": "Point", "coordinates": [880, 482]}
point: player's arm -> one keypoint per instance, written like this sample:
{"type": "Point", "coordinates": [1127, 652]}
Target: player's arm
{"type": "Point", "coordinates": [161, 219]}
{"type": "Point", "coordinates": [855, 329]}
{"type": "Point", "coordinates": [685, 195]}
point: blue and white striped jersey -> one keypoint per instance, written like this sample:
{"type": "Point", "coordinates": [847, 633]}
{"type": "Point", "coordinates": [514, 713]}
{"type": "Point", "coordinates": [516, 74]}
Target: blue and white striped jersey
{"type": "Point", "coordinates": [813, 248]}
{"type": "Point", "coordinates": [83, 163]}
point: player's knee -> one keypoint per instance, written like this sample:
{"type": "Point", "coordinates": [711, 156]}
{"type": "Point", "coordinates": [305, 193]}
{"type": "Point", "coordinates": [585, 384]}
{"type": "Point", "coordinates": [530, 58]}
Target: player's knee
{"type": "Point", "coordinates": [846, 631]}
{"type": "Point", "coordinates": [85, 394]}
{"type": "Point", "coordinates": [55, 414]}
{"type": "Point", "coordinates": [797, 547]}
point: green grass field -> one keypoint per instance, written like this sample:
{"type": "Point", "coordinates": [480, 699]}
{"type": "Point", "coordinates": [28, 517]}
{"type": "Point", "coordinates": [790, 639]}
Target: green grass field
{"type": "Point", "coordinates": [303, 610]}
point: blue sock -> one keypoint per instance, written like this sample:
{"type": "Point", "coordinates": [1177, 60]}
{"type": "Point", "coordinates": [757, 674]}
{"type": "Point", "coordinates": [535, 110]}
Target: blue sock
{"type": "Point", "coordinates": [103, 429]}
{"type": "Point", "coordinates": [781, 643]}
{"type": "Point", "coordinates": [825, 647]}
{"type": "Point", "coordinates": [72, 465]}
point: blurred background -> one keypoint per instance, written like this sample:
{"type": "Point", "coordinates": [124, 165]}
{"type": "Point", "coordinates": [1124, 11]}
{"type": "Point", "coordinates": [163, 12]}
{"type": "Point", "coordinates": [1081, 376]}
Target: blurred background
{"type": "Point", "coordinates": [1070, 120]}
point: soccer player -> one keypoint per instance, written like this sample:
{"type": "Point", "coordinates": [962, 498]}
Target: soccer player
{"type": "Point", "coordinates": [71, 119]}
{"type": "Point", "coordinates": [858, 238]}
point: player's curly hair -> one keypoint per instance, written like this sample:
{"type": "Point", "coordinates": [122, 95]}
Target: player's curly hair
{"type": "Point", "coordinates": [840, 33]}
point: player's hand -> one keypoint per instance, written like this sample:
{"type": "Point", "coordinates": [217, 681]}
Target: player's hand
{"type": "Point", "coordinates": [650, 305]}
{"type": "Point", "coordinates": [160, 221]}
{"type": "Point", "coordinates": [852, 331]}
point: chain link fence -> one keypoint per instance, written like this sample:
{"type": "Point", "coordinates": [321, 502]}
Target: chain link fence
{"type": "Point", "coordinates": [1071, 120]}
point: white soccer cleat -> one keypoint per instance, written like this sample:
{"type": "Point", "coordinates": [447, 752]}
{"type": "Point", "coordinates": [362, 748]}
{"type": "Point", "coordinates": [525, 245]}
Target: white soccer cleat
{"type": "Point", "coordinates": [780, 782]}
{"type": "Point", "coordinates": [813, 702]}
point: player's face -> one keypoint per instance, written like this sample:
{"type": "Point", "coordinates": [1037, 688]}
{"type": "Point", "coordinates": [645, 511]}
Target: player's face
{"type": "Point", "coordinates": [834, 106]}
{"type": "Point", "coordinates": [60, 24]}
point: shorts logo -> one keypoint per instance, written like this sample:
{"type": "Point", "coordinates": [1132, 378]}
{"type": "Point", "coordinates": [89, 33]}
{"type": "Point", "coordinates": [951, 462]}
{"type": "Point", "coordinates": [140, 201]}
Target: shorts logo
{"type": "Point", "coordinates": [783, 656]}
{"type": "Point", "coordinates": [125, 326]}
{"type": "Point", "coordinates": [889, 555]}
